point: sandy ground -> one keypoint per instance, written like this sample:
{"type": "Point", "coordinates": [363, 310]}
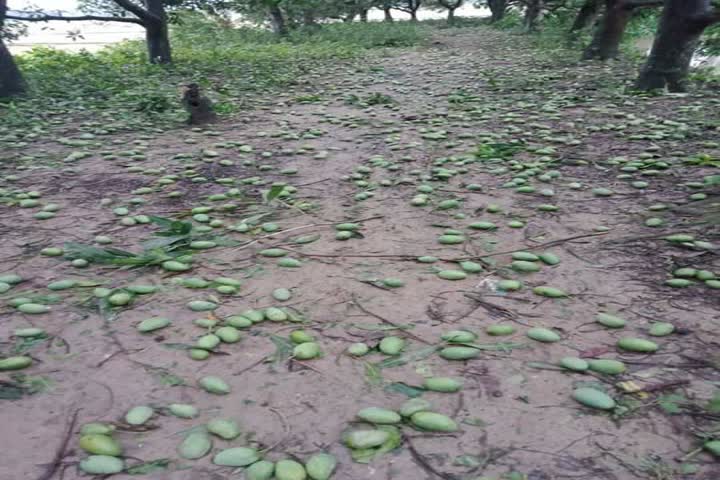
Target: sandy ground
{"type": "Point", "coordinates": [515, 411]}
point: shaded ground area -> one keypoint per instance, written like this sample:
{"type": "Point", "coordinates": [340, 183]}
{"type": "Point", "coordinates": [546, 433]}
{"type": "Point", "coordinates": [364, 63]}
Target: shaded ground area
{"type": "Point", "coordinates": [552, 153]}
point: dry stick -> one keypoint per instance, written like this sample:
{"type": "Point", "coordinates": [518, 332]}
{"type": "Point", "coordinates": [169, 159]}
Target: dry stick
{"type": "Point", "coordinates": [286, 429]}
{"type": "Point", "coordinates": [414, 257]}
{"type": "Point", "coordinates": [665, 385]}
{"type": "Point", "coordinates": [251, 366]}
{"type": "Point", "coordinates": [423, 463]}
{"type": "Point", "coordinates": [60, 452]}
{"type": "Point", "coordinates": [551, 243]}
{"type": "Point", "coordinates": [385, 320]}
{"type": "Point", "coordinates": [313, 183]}
{"type": "Point", "coordinates": [376, 217]}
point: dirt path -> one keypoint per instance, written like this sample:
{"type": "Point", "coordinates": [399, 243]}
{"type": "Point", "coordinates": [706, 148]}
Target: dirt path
{"type": "Point", "coordinates": [462, 118]}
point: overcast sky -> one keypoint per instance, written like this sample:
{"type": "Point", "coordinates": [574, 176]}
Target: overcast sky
{"type": "Point", "coordinates": [46, 4]}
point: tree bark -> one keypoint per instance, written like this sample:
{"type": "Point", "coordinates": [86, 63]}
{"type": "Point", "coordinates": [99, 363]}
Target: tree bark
{"type": "Point", "coordinates": [11, 80]}
{"type": "Point", "coordinates": [586, 16]}
{"type": "Point", "coordinates": [498, 8]}
{"type": "Point", "coordinates": [413, 16]}
{"type": "Point", "coordinates": [364, 15]}
{"type": "Point", "coordinates": [681, 25]}
{"type": "Point", "coordinates": [156, 33]}
{"type": "Point", "coordinates": [605, 43]}
{"type": "Point", "coordinates": [532, 15]}
{"type": "Point", "coordinates": [309, 18]}
{"type": "Point", "coordinates": [451, 16]}
{"type": "Point", "coordinates": [607, 38]}
{"type": "Point", "coordinates": [277, 20]}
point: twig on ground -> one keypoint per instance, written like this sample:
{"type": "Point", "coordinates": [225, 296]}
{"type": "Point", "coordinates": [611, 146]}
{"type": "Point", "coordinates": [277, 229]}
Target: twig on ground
{"type": "Point", "coordinates": [286, 429]}
{"type": "Point", "coordinates": [60, 452]}
{"type": "Point", "coordinates": [420, 460]}
{"type": "Point", "coordinates": [388, 322]}
{"type": "Point", "coordinates": [251, 366]}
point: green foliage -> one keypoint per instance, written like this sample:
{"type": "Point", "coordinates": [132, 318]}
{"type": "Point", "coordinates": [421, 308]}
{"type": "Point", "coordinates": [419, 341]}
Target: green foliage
{"type": "Point", "coordinates": [117, 88]}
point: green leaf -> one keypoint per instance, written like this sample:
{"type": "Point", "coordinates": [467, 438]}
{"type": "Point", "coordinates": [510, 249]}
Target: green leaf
{"type": "Point", "coordinates": [273, 193]}
{"type": "Point", "coordinates": [671, 403]}
{"type": "Point", "coordinates": [369, 454]}
{"type": "Point", "coordinates": [506, 347]}
{"type": "Point", "coordinates": [713, 405]}
{"type": "Point", "coordinates": [26, 344]}
{"type": "Point", "coordinates": [177, 346]}
{"type": "Point", "coordinates": [151, 466]}
{"type": "Point", "coordinates": [11, 391]}
{"type": "Point", "coordinates": [405, 389]}
{"type": "Point", "coordinates": [163, 242]}
{"type": "Point", "coordinates": [470, 461]}
{"type": "Point", "coordinates": [414, 356]}
{"type": "Point", "coordinates": [283, 349]}
{"type": "Point", "coordinates": [163, 222]}
{"type": "Point", "coordinates": [373, 375]}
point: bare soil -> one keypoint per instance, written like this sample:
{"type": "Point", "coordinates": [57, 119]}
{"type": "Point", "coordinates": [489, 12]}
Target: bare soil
{"type": "Point", "coordinates": [480, 87]}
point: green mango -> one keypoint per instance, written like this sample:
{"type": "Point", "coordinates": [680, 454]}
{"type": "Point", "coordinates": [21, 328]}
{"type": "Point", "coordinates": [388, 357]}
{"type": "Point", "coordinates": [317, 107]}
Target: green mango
{"type": "Point", "coordinates": [433, 422]}
{"type": "Point", "coordinates": [321, 466]}
{"type": "Point", "coordinates": [377, 415]}
{"type": "Point", "coordinates": [593, 398]}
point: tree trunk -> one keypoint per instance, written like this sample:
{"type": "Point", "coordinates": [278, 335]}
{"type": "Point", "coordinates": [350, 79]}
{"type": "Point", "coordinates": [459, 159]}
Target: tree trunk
{"type": "Point", "coordinates": [364, 15]}
{"type": "Point", "coordinates": [309, 18]}
{"type": "Point", "coordinates": [681, 26]}
{"type": "Point", "coordinates": [532, 15]}
{"type": "Point", "coordinates": [156, 33]}
{"type": "Point", "coordinates": [11, 80]}
{"type": "Point", "coordinates": [451, 16]}
{"type": "Point", "coordinates": [388, 14]}
{"type": "Point", "coordinates": [586, 16]}
{"type": "Point", "coordinates": [608, 36]}
{"type": "Point", "coordinates": [413, 15]}
{"type": "Point", "coordinates": [277, 20]}
{"type": "Point", "coordinates": [498, 8]}
{"type": "Point", "coordinates": [606, 40]}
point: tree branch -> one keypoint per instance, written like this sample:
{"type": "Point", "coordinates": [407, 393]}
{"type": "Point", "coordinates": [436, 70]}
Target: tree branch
{"type": "Point", "coordinates": [46, 18]}
{"type": "Point", "coordinates": [137, 10]}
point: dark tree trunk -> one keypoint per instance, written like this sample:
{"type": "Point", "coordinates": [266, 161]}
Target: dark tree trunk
{"type": "Point", "coordinates": [349, 18]}
{"type": "Point", "coordinates": [309, 18]}
{"type": "Point", "coordinates": [11, 80]}
{"type": "Point", "coordinates": [681, 26]}
{"type": "Point", "coordinates": [532, 15]}
{"type": "Point", "coordinates": [277, 20]}
{"type": "Point", "coordinates": [586, 16]}
{"type": "Point", "coordinates": [606, 40]}
{"type": "Point", "coordinates": [451, 16]}
{"type": "Point", "coordinates": [388, 14]}
{"type": "Point", "coordinates": [364, 16]}
{"type": "Point", "coordinates": [413, 16]}
{"type": "Point", "coordinates": [608, 36]}
{"type": "Point", "coordinates": [156, 33]}
{"type": "Point", "coordinates": [498, 8]}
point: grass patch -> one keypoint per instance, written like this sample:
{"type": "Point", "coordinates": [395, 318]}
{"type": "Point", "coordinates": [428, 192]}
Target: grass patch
{"type": "Point", "coordinates": [118, 89]}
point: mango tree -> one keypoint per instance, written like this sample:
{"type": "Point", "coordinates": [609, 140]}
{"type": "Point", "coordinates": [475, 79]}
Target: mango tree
{"type": "Point", "coordinates": [609, 34]}
{"type": "Point", "coordinates": [450, 6]}
{"type": "Point", "coordinates": [681, 26]}
{"type": "Point", "coordinates": [11, 80]}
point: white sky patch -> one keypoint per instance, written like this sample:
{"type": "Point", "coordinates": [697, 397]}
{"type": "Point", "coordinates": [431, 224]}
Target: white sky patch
{"type": "Point", "coordinates": [65, 5]}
